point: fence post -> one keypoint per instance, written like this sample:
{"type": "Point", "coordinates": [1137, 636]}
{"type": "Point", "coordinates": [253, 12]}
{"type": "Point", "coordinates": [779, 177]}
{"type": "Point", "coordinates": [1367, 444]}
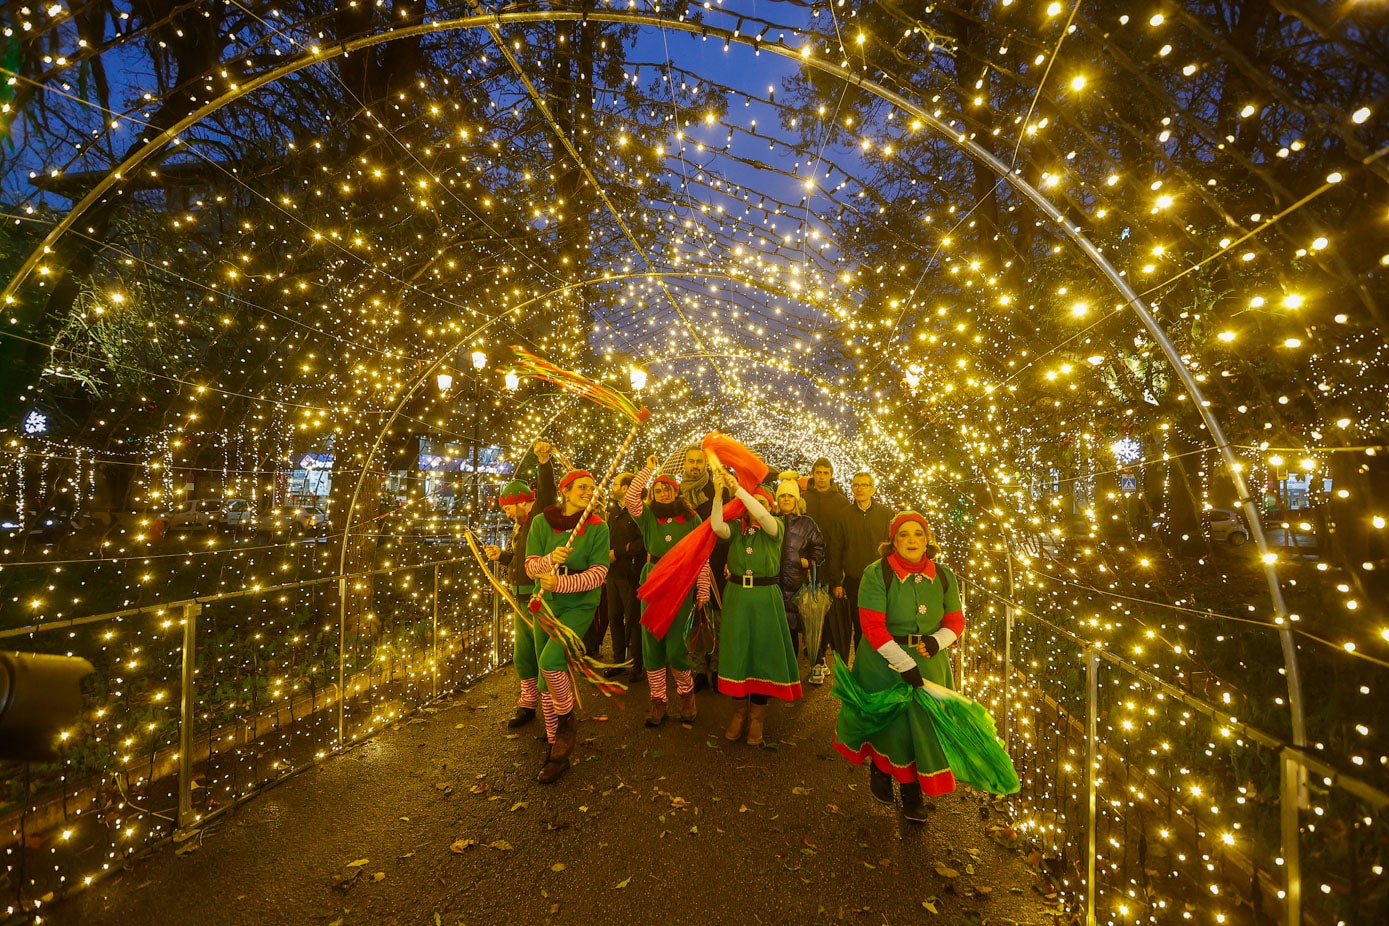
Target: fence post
{"type": "Point", "coordinates": [185, 723]}
{"type": "Point", "coordinates": [1008, 649]}
{"type": "Point", "coordinates": [342, 659]}
{"type": "Point", "coordinates": [1289, 802]}
{"type": "Point", "coordinates": [497, 624]}
{"type": "Point", "coordinates": [1092, 754]}
{"type": "Point", "coordinates": [434, 641]}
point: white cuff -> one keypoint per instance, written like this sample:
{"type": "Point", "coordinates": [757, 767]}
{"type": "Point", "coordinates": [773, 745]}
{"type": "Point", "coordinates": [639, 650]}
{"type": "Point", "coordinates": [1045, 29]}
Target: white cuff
{"type": "Point", "coordinates": [945, 636]}
{"type": "Point", "coordinates": [896, 656]}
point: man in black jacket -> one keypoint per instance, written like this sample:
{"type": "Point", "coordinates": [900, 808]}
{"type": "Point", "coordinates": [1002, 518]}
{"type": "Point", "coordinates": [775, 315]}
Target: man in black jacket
{"type": "Point", "coordinates": [625, 557]}
{"type": "Point", "coordinates": [863, 527]}
{"type": "Point", "coordinates": [519, 503]}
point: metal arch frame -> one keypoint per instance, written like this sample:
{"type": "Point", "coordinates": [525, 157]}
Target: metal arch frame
{"type": "Point", "coordinates": [1014, 179]}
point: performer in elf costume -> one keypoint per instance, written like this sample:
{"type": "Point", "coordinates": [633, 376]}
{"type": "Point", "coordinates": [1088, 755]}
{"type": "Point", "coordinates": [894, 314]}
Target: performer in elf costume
{"type": "Point", "coordinates": [909, 607]}
{"type": "Point", "coordinates": [571, 578]}
{"type": "Point", "coordinates": [756, 659]}
{"type": "Point", "coordinates": [663, 524]}
{"type": "Point", "coordinates": [518, 502]}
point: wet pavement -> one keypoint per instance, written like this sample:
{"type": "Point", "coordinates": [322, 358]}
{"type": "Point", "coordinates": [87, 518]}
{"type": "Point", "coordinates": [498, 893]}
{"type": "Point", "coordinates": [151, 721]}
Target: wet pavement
{"type": "Point", "coordinates": [440, 822]}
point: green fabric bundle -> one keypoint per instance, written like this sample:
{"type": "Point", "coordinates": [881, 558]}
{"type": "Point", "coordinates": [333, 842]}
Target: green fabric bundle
{"type": "Point", "coordinates": [963, 727]}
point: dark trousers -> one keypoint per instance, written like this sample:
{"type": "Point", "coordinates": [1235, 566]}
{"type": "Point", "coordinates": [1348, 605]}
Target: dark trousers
{"type": "Point", "coordinates": [842, 628]}
{"type": "Point", "coordinates": [624, 614]}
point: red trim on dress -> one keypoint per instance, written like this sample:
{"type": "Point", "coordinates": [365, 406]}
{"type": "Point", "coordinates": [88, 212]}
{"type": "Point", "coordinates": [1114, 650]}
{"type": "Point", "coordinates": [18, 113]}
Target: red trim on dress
{"type": "Point", "coordinates": [758, 686]}
{"type": "Point", "coordinates": [933, 784]}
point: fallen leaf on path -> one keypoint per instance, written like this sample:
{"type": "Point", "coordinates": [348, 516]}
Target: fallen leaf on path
{"type": "Point", "coordinates": [809, 844]}
{"type": "Point", "coordinates": [462, 845]}
{"type": "Point", "coordinates": [519, 805]}
{"type": "Point", "coordinates": [601, 719]}
{"type": "Point", "coordinates": [480, 788]}
{"type": "Point", "coordinates": [799, 790]}
{"type": "Point", "coordinates": [930, 904]}
{"type": "Point", "coordinates": [983, 889]}
{"type": "Point", "coordinates": [558, 866]}
{"type": "Point", "coordinates": [378, 876]}
{"type": "Point", "coordinates": [357, 864]}
{"type": "Point", "coordinates": [743, 808]}
{"type": "Point", "coordinates": [500, 844]}
{"type": "Point", "coordinates": [621, 884]}
{"type": "Point", "coordinates": [945, 871]}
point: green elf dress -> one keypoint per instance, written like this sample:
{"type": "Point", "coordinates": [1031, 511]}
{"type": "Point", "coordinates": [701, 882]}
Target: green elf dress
{"type": "Point", "coordinates": [660, 531]}
{"type": "Point", "coordinates": [902, 601]}
{"type": "Point", "coordinates": [580, 586]}
{"type": "Point", "coordinates": [755, 653]}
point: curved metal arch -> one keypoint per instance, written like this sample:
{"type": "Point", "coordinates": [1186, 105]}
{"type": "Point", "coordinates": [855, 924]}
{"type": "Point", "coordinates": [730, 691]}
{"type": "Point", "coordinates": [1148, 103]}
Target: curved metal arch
{"type": "Point", "coordinates": [967, 144]}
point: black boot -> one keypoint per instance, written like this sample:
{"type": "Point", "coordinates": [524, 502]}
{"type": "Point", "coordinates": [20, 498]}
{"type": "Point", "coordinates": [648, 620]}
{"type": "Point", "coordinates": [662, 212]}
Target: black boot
{"type": "Point", "coordinates": [880, 783]}
{"type": "Point", "coordinates": [557, 763]}
{"type": "Point", "coordinates": [913, 804]}
{"type": "Point", "coordinates": [523, 716]}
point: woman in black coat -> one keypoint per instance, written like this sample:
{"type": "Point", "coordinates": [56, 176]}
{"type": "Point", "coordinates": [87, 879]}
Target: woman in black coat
{"type": "Point", "coordinates": [802, 546]}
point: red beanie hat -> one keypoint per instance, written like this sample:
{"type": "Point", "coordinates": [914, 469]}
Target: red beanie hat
{"type": "Point", "coordinates": [572, 476]}
{"type": "Point", "coordinates": [905, 516]}
{"type": "Point", "coordinates": [663, 479]}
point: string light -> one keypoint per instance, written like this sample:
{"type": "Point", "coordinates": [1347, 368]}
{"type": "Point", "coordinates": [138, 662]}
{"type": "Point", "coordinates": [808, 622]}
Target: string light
{"type": "Point", "coordinates": [810, 269]}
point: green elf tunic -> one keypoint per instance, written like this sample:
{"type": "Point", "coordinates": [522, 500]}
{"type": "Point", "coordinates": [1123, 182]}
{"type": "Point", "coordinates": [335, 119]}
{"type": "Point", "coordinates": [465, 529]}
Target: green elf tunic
{"type": "Point", "coordinates": [916, 599]}
{"type": "Point", "coordinates": [580, 587]}
{"type": "Point", "coordinates": [755, 654]}
{"type": "Point", "coordinates": [660, 534]}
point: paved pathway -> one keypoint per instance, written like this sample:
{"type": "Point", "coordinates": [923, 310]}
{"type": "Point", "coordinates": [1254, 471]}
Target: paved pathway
{"type": "Point", "coordinates": [440, 822]}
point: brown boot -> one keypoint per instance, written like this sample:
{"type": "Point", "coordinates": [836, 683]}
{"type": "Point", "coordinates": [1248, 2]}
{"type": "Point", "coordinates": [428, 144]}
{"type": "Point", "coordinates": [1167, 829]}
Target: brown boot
{"type": "Point", "coordinates": [657, 715]}
{"type": "Point", "coordinates": [758, 714]}
{"type": "Point", "coordinates": [558, 762]}
{"type": "Point", "coordinates": [740, 714]}
{"type": "Point", "coordinates": [688, 708]}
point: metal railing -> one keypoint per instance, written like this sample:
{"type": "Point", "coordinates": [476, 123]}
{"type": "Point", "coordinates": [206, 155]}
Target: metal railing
{"type": "Point", "coordinates": [1117, 763]}
{"type": "Point", "coordinates": [262, 692]}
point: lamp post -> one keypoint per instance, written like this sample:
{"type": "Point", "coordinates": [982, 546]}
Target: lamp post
{"type": "Point", "coordinates": [479, 363]}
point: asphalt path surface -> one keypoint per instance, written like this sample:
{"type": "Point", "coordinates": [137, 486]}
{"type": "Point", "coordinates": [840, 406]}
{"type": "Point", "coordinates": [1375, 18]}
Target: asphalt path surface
{"type": "Point", "coordinates": [440, 821]}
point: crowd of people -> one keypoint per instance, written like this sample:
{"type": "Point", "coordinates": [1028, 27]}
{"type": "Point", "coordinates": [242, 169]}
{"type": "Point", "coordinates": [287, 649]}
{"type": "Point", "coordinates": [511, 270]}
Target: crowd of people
{"type": "Point", "coordinates": [737, 629]}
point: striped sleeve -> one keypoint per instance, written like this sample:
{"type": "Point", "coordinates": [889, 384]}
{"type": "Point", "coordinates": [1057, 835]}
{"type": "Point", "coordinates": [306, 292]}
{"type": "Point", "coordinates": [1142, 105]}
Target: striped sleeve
{"type": "Point", "coordinates": [590, 578]}
{"type": "Point", "coordinates": [537, 566]}
{"type": "Point", "coordinates": [632, 500]}
{"type": "Point", "coordinates": [704, 582]}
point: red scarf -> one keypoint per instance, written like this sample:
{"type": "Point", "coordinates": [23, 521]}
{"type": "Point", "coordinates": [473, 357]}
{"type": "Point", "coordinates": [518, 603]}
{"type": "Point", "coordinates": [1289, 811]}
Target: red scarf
{"type": "Point", "coordinates": [926, 567]}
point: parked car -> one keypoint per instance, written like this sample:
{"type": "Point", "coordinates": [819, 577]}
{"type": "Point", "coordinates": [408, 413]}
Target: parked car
{"type": "Point", "coordinates": [295, 521]}
{"type": "Point", "coordinates": [1225, 525]}
{"type": "Point", "coordinates": [201, 514]}
{"type": "Point", "coordinates": [237, 515]}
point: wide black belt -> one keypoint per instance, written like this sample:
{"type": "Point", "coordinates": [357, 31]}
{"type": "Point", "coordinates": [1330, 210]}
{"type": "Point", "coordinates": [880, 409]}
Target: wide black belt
{"type": "Point", "coordinates": [750, 581]}
{"type": "Point", "coordinates": [911, 639]}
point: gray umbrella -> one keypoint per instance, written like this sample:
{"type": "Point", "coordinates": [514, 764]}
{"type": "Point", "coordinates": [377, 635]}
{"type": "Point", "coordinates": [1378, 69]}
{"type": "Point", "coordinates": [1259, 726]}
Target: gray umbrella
{"type": "Point", "coordinates": [813, 602]}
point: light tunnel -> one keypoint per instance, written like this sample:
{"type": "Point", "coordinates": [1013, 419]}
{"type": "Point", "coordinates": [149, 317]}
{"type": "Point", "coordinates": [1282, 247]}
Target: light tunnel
{"type": "Point", "coordinates": [1098, 287]}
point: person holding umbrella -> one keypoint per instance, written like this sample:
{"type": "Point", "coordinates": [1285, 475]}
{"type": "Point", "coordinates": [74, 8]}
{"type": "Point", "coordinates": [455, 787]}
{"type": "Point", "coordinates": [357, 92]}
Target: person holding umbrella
{"type": "Point", "coordinates": [909, 609]}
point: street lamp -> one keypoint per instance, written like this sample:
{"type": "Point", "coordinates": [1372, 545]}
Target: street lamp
{"type": "Point", "coordinates": [513, 380]}
{"type": "Point", "coordinates": [445, 381]}
{"type": "Point", "coordinates": [638, 376]}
